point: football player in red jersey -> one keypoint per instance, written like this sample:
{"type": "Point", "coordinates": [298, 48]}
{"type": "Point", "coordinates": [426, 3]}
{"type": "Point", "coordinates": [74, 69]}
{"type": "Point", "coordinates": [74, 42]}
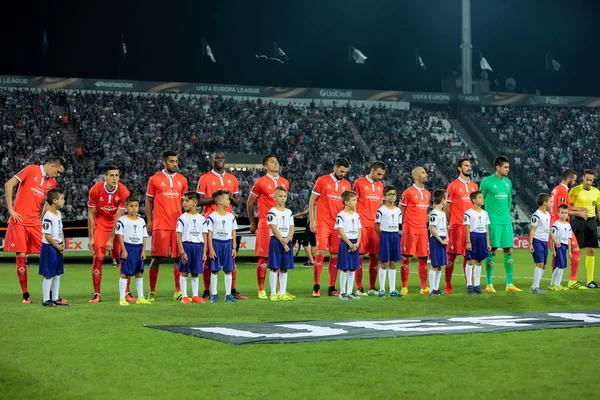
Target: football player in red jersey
{"type": "Point", "coordinates": [163, 207]}
{"type": "Point", "coordinates": [106, 205]}
{"type": "Point", "coordinates": [218, 179]}
{"type": "Point", "coordinates": [24, 233]}
{"type": "Point", "coordinates": [458, 202]}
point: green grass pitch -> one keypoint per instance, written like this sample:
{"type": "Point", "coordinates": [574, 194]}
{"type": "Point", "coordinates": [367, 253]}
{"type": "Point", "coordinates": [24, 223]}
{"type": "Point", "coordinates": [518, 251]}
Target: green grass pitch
{"type": "Point", "coordinates": [103, 351]}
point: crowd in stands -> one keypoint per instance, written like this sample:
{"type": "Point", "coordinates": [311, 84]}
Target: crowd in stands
{"type": "Point", "coordinates": [95, 129]}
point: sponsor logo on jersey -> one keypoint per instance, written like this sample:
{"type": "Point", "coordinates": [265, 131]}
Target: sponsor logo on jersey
{"type": "Point", "coordinates": [171, 194]}
{"type": "Point", "coordinates": [108, 209]}
{"type": "Point", "coordinates": [334, 196]}
{"type": "Point", "coordinates": [38, 192]}
{"type": "Point", "coordinates": [423, 206]}
{"type": "Point", "coordinates": [373, 197]}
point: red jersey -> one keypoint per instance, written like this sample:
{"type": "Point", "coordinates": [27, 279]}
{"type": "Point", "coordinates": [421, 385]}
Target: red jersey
{"type": "Point", "coordinates": [370, 196]}
{"type": "Point", "coordinates": [329, 204]}
{"type": "Point", "coordinates": [559, 195]}
{"type": "Point", "coordinates": [34, 184]}
{"type": "Point", "coordinates": [459, 192]}
{"type": "Point", "coordinates": [167, 192]}
{"type": "Point", "coordinates": [212, 181]}
{"type": "Point", "coordinates": [416, 202]}
{"type": "Point", "coordinates": [264, 189]}
{"type": "Point", "coordinates": [106, 204]}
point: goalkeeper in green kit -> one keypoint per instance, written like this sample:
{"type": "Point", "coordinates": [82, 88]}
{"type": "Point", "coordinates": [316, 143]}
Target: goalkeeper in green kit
{"type": "Point", "coordinates": [497, 194]}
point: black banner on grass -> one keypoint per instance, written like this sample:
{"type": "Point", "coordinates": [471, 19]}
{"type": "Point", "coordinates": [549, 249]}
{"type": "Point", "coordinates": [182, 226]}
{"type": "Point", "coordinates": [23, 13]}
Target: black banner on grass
{"type": "Point", "coordinates": [312, 331]}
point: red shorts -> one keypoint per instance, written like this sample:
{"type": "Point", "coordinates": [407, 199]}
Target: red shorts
{"type": "Point", "coordinates": [327, 239]}
{"type": "Point", "coordinates": [23, 239]}
{"type": "Point", "coordinates": [414, 244]}
{"type": "Point", "coordinates": [369, 242]}
{"type": "Point", "coordinates": [261, 246]}
{"type": "Point", "coordinates": [164, 244]}
{"type": "Point", "coordinates": [100, 241]}
{"type": "Point", "coordinates": [457, 240]}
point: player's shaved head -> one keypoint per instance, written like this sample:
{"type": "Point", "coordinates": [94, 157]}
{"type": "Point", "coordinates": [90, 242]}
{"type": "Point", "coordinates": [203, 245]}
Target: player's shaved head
{"type": "Point", "coordinates": [416, 171]}
{"type": "Point", "coordinates": [419, 175]}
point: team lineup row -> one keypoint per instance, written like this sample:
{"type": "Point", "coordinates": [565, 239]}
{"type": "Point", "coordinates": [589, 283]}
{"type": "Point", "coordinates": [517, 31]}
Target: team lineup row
{"type": "Point", "coordinates": [166, 189]}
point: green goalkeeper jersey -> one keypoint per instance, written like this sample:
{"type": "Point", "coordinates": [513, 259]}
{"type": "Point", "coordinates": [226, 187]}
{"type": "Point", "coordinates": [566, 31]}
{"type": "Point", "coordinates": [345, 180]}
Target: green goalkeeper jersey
{"type": "Point", "coordinates": [497, 195]}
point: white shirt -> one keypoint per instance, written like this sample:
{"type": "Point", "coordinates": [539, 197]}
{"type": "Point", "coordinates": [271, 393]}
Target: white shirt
{"type": "Point", "coordinates": [349, 222]}
{"type": "Point", "coordinates": [542, 223]}
{"type": "Point", "coordinates": [133, 230]}
{"type": "Point", "coordinates": [191, 227]}
{"type": "Point", "coordinates": [477, 221]}
{"type": "Point", "coordinates": [562, 232]}
{"type": "Point", "coordinates": [388, 219]}
{"type": "Point", "coordinates": [283, 220]}
{"type": "Point", "coordinates": [52, 225]}
{"type": "Point", "coordinates": [222, 226]}
{"type": "Point", "coordinates": [439, 220]}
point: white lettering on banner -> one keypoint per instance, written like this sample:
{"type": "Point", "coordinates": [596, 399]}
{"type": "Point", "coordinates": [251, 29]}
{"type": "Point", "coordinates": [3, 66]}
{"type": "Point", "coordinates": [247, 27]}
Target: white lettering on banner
{"type": "Point", "coordinates": [15, 81]}
{"type": "Point", "coordinates": [228, 89]}
{"type": "Point", "coordinates": [313, 331]}
{"type": "Point", "coordinates": [405, 326]}
{"type": "Point", "coordinates": [335, 93]}
{"type": "Point", "coordinates": [433, 97]}
{"type": "Point", "coordinates": [556, 100]}
{"type": "Point", "coordinates": [495, 320]}
{"type": "Point", "coordinates": [115, 85]}
{"type": "Point", "coordinates": [521, 242]}
{"type": "Point", "coordinates": [470, 98]}
{"type": "Point", "coordinates": [577, 317]}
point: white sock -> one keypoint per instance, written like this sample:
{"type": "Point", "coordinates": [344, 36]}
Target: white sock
{"type": "Point", "coordinates": [46, 285]}
{"type": "Point", "coordinates": [392, 276]}
{"type": "Point", "coordinates": [228, 281]}
{"type": "Point", "coordinates": [195, 285]}
{"type": "Point", "coordinates": [214, 278]}
{"type": "Point", "coordinates": [432, 279]}
{"type": "Point", "coordinates": [469, 272]}
{"type": "Point", "coordinates": [183, 285]}
{"type": "Point", "coordinates": [560, 275]}
{"type": "Point", "coordinates": [273, 282]}
{"type": "Point", "coordinates": [283, 283]}
{"type": "Point", "coordinates": [555, 274]}
{"type": "Point", "coordinates": [438, 276]}
{"type": "Point", "coordinates": [122, 287]}
{"type": "Point", "coordinates": [382, 276]}
{"type": "Point", "coordinates": [477, 277]}
{"type": "Point", "coordinates": [537, 277]}
{"type": "Point", "coordinates": [350, 282]}
{"type": "Point", "coordinates": [343, 280]}
{"type": "Point", "coordinates": [55, 287]}
{"type": "Point", "coordinates": [139, 286]}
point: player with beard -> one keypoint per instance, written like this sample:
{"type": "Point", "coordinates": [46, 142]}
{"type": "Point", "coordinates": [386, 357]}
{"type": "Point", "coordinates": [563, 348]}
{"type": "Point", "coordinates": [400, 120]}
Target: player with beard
{"type": "Point", "coordinates": [459, 201]}
{"type": "Point", "coordinates": [370, 195]}
{"type": "Point", "coordinates": [324, 206]}
{"type": "Point", "coordinates": [218, 179]}
{"type": "Point", "coordinates": [163, 208]}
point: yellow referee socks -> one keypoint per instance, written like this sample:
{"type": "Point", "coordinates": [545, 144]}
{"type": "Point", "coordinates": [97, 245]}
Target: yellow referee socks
{"type": "Point", "coordinates": [589, 267]}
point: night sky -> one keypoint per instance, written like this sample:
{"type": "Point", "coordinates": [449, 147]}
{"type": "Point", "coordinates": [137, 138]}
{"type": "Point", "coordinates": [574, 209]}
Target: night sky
{"type": "Point", "coordinates": [164, 41]}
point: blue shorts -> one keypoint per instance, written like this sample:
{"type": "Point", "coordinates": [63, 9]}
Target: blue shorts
{"type": "Point", "coordinates": [134, 263]}
{"type": "Point", "coordinates": [279, 259]}
{"type": "Point", "coordinates": [540, 251]}
{"type": "Point", "coordinates": [437, 252]}
{"type": "Point", "coordinates": [389, 247]}
{"type": "Point", "coordinates": [194, 254]}
{"type": "Point", "coordinates": [479, 251]}
{"type": "Point", "coordinates": [52, 263]}
{"type": "Point", "coordinates": [224, 259]}
{"type": "Point", "coordinates": [561, 256]}
{"type": "Point", "coordinates": [348, 261]}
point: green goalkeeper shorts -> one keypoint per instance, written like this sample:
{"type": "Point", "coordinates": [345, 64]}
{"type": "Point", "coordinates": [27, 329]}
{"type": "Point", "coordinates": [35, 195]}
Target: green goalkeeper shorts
{"type": "Point", "coordinates": [501, 236]}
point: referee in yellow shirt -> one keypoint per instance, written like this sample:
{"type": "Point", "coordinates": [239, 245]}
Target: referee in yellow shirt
{"type": "Point", "coordinates": [585, 229]}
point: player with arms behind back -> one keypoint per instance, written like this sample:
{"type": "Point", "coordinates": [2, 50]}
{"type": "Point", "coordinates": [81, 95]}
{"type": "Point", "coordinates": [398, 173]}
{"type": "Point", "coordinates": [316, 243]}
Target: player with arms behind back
{"type": "Point", "coordinates": [478, 245]}
{"type": "Point", "coordinates": [563, 234]}
{"type": "Point", "coordinates": [438, 228]}
{"type": "Point", "coordinates": [539, 234]}
{"type": "Point", "coordinates": [349, 228]}
{"type": "Point", "coordinates": [163, 208]}
{"type": "Point", "coordinates": [24, 233]}
{"type": "Point", "coordinates": [387, 227]}
{"type": "Point", "coordinates": [106, 204]}
{"type": "Point", "coordinates": [263, 192]}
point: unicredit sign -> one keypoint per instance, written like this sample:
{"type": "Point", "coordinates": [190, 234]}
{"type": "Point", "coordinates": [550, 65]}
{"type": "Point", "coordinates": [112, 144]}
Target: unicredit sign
{"type": "Point", "coordinates": [345, 94]}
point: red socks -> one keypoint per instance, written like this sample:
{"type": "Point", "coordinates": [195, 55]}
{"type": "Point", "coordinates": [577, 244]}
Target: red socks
{"type": "Point", "coordinates": [261, 272]}
{"type": "Point", "coordinates": [359, 272]}
{"type": "Point", "coordinates": [575, 258]}
{"type": "Point", "coordinates": [22, 272]}
{"type": "Point", "coordinates": [404, 271]}
{"type": "Point", "coordinates": [176, 276]}
{"type": "Point", "coordinates": [332, 270]}
{"type": "Point", "coordinates": [318, 269]}
{"type": "Point", "coordinates": [373, 270]}
{"type": "Point", "coordinates": [153, 276]}
{"type": "Point", "coordinates": [422, 264]}
{"type": "Point", "coordinates": [206, 278]}
{"type": "Point", "coordinates": [449, 270]}
{"type": "Point", "coordinates": [97, 274]}
{"type": "Point", "coordinates": [233, 276]}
